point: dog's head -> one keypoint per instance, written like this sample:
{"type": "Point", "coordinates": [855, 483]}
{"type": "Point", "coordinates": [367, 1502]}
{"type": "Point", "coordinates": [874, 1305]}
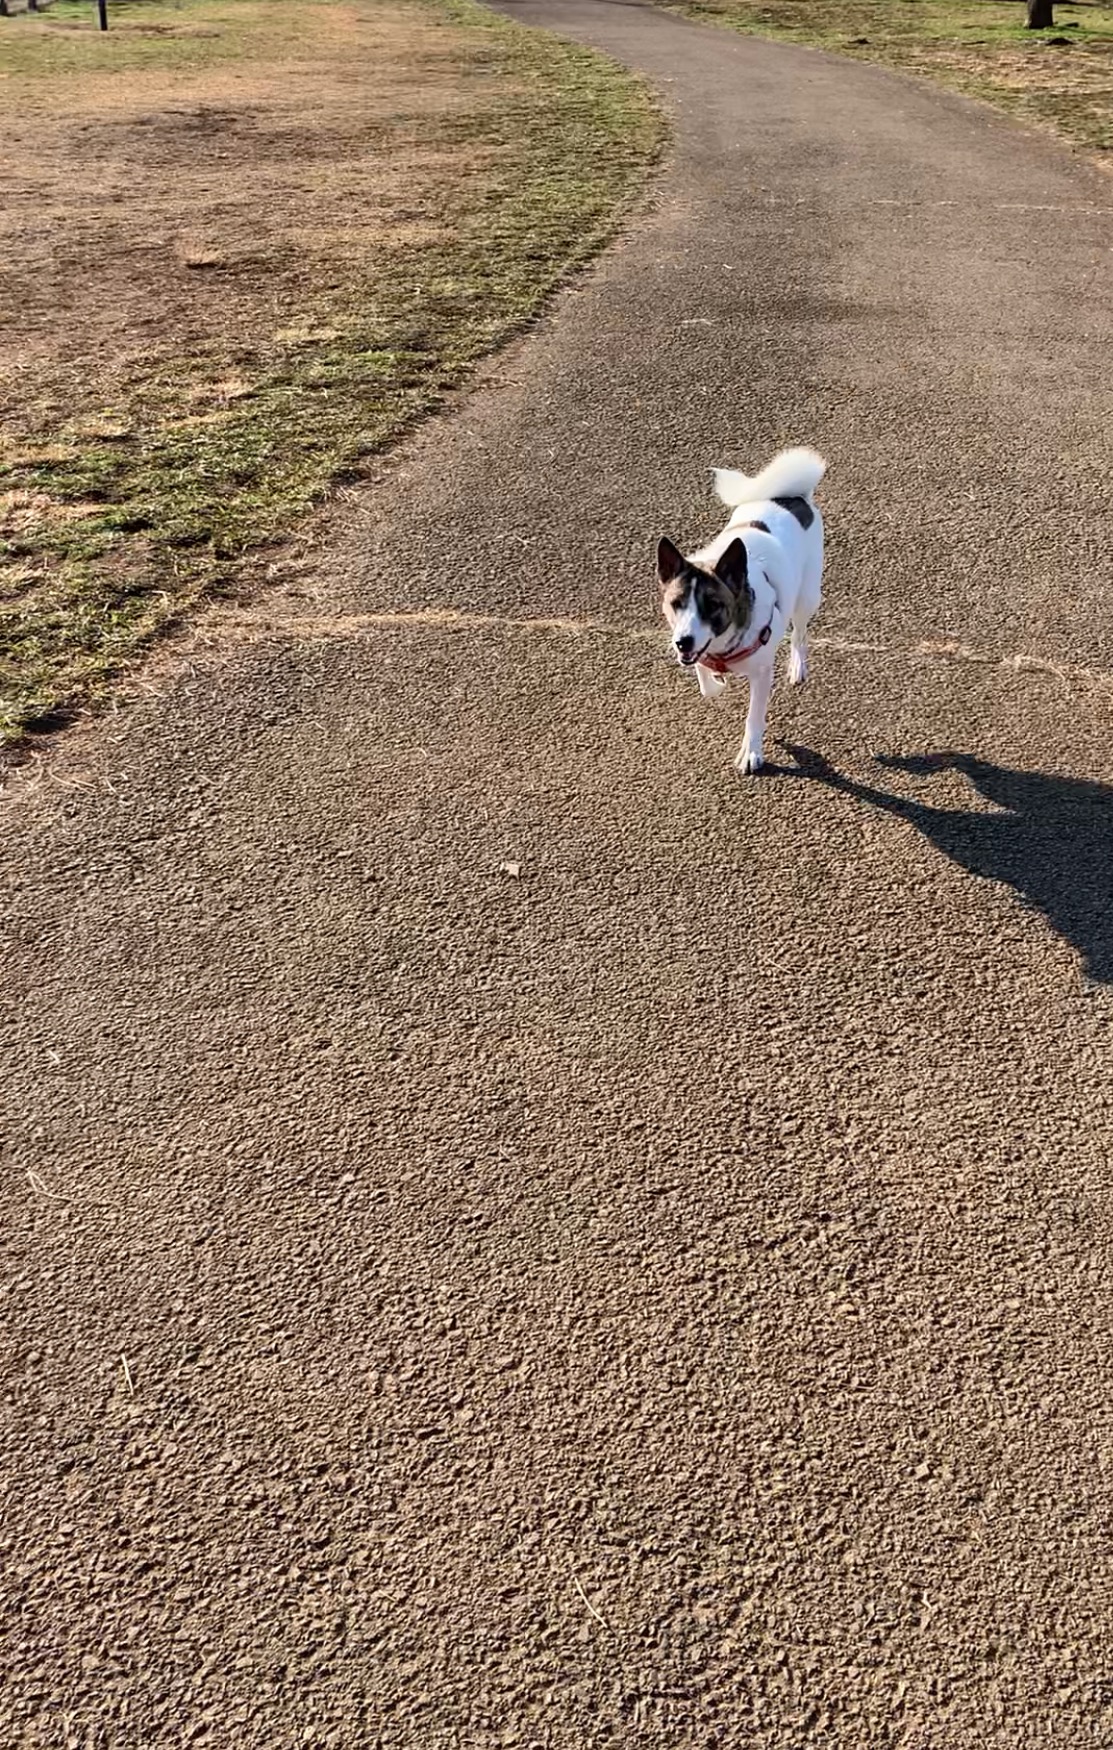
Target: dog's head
{"type": "Point", "coordinates": [701, 606]}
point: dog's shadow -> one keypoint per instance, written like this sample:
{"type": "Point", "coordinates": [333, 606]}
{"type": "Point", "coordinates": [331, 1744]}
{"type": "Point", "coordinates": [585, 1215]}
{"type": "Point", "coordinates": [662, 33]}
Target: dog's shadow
{"type": "Point", "coordinates": [1049, 838]}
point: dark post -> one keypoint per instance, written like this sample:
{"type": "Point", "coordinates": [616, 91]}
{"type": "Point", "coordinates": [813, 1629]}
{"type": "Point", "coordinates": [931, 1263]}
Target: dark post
{"type": "Point", "coordinates": [102, 14]}
{"type": "Point", "coordinates": [1041, 15]}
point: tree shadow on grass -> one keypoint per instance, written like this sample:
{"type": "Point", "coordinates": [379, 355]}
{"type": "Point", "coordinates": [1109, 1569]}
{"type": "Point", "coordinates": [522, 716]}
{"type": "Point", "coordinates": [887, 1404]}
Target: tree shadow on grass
{"type": "Point", "coordinates": [1050, 839]}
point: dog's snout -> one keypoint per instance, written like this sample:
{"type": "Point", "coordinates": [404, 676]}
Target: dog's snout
{"type": "Point", "coordinates": [685, 644]}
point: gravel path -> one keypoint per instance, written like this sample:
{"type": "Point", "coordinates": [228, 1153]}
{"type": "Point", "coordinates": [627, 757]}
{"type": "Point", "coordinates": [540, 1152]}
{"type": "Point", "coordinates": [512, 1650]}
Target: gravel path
{"type": "Point", "coordinates": [661, 1296]}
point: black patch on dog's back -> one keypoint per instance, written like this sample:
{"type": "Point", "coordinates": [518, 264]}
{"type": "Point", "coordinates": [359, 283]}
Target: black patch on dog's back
{"type": "Point", "coordinates": [764, 527]}
{"type": "Point", "coordinates": [799, 508]}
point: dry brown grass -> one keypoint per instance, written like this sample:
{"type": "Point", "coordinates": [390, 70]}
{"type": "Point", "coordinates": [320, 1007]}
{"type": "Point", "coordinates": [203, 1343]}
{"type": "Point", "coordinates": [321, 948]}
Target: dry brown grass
{"type": "Point", "coordinates": [281, 177]}
{"type": "Point", "coordinates": [243, 243]}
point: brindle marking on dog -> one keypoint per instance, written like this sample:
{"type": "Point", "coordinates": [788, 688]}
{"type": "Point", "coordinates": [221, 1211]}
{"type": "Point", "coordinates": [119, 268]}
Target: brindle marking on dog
{"type": "Point", "coordinates": [715, 603]}
{"type": "Point", "coordinates": [799, 508]}
{"type": "Point", "coordinates": [723, 597]}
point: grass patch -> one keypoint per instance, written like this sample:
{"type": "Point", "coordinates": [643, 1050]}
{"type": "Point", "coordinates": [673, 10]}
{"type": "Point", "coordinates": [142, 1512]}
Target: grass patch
{"type": "Point", "coordinates": [243, 245]}
{"type": "Point", "coordinates": [1060, 79]}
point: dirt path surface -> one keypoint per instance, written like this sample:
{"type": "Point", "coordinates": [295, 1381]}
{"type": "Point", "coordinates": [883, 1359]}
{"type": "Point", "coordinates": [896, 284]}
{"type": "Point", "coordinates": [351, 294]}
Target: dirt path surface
{"type": "Point", "coordinates": [663, 1296]}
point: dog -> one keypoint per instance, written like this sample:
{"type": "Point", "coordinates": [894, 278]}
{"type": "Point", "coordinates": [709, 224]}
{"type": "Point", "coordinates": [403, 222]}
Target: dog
{"type": "Point", "coordinates": [729, 605]}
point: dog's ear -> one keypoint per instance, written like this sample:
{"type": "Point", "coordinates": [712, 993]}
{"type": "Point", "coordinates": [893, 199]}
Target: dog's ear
{"type": "Point", "coordinates": [732, 568]}
{"type": "Point", "coordinates": [670, 560]}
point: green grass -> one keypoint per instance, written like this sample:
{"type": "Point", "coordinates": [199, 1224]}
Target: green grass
{"type": "Point", "coordinates": [979, 47]}
{"type": "Point", "coordinates": [142, 34]}
{"type": "Point", "coordinates": [131, 497]}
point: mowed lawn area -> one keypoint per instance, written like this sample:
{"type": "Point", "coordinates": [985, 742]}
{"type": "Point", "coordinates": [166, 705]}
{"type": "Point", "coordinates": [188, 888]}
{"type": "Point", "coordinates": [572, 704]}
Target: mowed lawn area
{"type": "Point", "coordinates": [243, 245]}
{"type": "Point", "coordinates": [1061, 79]}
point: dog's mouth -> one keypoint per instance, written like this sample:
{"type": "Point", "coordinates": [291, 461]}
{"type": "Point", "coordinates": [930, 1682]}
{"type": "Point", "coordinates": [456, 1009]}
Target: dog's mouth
{"type": "Point", "coordinates": [689, 658]}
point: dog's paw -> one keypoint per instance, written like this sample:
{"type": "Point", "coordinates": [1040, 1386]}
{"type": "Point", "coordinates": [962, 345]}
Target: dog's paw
{"type": "Point", "coordinates": [711, 686]}
{"type": "Point", "coordinates": [797, 668]}
{"type": "Point", "coordinates": [748, 761]}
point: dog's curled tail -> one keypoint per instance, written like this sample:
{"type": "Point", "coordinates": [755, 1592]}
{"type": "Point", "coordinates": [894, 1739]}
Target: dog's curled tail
{"type": "Point", "coordinates": [792, 474]}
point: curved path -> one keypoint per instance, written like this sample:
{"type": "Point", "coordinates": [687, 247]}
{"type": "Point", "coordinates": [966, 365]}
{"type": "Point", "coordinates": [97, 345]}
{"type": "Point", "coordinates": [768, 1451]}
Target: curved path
{"type": "Point", "coordinates": [662, 1296]}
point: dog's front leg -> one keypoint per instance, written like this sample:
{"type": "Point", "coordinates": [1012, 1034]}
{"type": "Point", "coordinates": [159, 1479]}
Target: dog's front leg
{"type": "Point", "coordinates": [710, 685]}
{"type": "Point", "coordinates": [750, 758]}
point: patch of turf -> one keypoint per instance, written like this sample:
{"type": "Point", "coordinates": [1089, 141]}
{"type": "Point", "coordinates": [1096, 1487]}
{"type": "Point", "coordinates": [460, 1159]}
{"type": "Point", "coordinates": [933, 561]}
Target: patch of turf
{"type": "Point", "coordinates": [117, 515]}
{"type": "Point", "coordinates": [1060, 79]}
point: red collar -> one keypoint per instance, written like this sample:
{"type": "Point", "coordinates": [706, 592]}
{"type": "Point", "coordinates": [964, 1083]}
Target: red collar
{"type": "Point", "coordinates": [723, 664]}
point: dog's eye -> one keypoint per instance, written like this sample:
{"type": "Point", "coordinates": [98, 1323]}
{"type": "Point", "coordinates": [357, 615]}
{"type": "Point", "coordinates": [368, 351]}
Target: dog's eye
{"type": "Point", "coordinates": [714, 611]}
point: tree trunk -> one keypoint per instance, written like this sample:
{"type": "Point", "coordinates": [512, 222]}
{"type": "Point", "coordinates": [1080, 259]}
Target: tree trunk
{"type": "Point", "coordinates": [1041, 15]}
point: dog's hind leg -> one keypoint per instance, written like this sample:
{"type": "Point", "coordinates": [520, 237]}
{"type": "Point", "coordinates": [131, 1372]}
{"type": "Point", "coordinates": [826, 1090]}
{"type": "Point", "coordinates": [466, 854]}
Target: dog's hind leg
{"type": "Point", "coordinates": [806, 605]}
{"type": "Point", "coordinates": [798, 654]}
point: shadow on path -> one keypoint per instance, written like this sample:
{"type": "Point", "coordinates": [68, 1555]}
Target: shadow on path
{"type": "Point", "coordinates": [1051, 838]}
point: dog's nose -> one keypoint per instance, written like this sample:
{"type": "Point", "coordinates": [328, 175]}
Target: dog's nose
{"type": "Point", "coordinates": [686, 644]}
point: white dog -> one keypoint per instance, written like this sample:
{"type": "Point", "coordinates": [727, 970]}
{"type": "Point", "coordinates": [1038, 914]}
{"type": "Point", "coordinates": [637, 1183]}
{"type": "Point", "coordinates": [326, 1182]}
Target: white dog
{"type": "Point", "coordinates": [730, 604]}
